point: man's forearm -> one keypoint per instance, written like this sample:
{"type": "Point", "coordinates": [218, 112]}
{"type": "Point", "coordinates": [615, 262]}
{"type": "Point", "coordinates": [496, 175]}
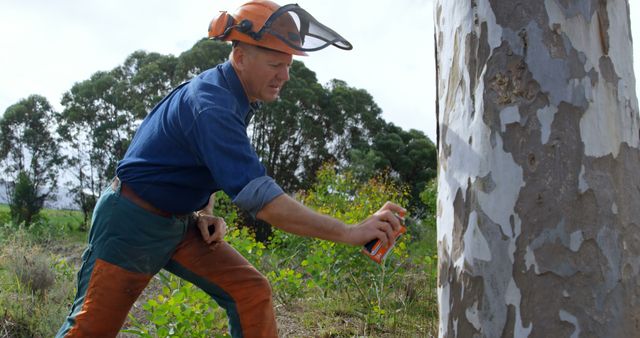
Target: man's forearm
{"type": "Point", "coordinates": [291, 216]}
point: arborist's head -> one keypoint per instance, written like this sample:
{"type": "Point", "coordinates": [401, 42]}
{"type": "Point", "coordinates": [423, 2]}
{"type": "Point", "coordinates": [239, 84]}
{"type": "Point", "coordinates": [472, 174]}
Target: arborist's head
{"type": "Point", "coordinates": [265, 35]}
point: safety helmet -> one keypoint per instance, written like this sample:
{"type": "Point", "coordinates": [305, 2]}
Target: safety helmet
{"type": "Point", "coordinates": [288, 29]}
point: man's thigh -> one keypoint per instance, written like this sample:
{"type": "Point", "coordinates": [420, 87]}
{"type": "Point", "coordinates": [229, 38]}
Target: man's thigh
{"type": "Point", "coordinates": [231, 280]}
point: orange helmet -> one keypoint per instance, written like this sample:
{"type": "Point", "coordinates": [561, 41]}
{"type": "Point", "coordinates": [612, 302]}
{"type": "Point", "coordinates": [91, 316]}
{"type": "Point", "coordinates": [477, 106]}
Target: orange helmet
{"type": "Point", "coordinates": [288, 29]}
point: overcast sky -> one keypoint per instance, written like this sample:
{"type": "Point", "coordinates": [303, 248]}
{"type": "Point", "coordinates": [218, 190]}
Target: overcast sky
{"type": "Point", "coordinates": [47, 46]}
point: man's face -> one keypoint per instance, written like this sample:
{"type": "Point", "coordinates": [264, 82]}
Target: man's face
{"type": "Point", "coordinates": [264, 73]}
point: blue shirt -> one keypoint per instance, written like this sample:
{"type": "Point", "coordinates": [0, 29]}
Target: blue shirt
{"type": "Point", "coordinates": [193, 143]}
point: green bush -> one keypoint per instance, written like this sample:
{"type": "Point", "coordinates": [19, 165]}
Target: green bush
{"type": "Point", "coordinates": [32, 268]}
{"type": "Point", "coordinates": [245, 243]}
{"type": "Point", "coordinates": [288, 283]}
{"type": "Point", "coordinates": [25, 203]}
{"type": "Point", "coordinates": [179, 310]}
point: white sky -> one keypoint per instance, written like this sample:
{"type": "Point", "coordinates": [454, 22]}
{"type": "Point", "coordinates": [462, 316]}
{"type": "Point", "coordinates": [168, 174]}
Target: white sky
{"type": "Point", "coordinates": [47, 46]}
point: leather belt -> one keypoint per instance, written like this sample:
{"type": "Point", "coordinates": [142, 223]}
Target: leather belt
{"type": "Point", "coordinates": [129, 194]}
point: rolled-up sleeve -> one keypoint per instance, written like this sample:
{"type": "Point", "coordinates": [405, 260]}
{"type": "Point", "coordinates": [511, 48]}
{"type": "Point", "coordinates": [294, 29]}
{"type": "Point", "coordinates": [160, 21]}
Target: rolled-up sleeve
{"type": "Point", "coordinates": [256, 194]}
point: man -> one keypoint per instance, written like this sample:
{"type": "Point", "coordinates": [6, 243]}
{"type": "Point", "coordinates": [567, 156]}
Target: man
{"type": "Point", "coordinates": [192, 144]}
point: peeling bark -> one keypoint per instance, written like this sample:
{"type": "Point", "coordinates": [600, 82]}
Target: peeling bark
{"type": "Point", "coordinates": [539, 184]}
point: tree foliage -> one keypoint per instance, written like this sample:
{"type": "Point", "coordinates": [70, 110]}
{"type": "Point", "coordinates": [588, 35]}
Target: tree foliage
{"type": "Point", "coordinates": [143, 80]}
{"type": "Point", "coordinates": [411, 155]}
{"type": "Point", "coordinates": [30, 154]}
{"type": "Point", "coordinates": [203, 55]}
{"type": "Point", "coordinates": [97, 123]}
{"type": "Point", "coordinates": [311, 124]}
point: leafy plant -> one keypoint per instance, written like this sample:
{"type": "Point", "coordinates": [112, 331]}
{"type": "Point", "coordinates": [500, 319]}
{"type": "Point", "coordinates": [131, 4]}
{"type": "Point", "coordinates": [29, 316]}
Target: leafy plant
{"type": "Point", "coordinates": [287, 282]}
{"type": "Point", "coordinates": [180, 310]}
{"type": "Point", "coordinates": [244, 242]}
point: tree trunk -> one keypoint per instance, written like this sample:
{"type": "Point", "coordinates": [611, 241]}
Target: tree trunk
{"type": "Point", "coordinates": [539, 173]}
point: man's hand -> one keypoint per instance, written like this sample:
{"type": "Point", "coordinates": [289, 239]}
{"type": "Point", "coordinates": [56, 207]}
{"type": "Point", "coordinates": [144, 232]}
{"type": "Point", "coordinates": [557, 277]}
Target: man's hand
{"type": "Point", "coordinates": [212, 228]}
{"type": "Point", "coordinates": [380, 225]}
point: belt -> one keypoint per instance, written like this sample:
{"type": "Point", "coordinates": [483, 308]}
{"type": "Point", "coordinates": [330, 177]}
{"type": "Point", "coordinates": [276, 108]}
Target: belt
{"type": "Point", "coordinates": [129, 194]}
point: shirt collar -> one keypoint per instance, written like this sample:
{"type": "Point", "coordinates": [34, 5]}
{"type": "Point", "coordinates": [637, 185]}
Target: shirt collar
{"type": "Point", "coordinates": [235, 86]}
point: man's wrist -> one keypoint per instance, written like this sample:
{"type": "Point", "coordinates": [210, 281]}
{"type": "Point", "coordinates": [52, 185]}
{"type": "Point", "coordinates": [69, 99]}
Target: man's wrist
{"type": "Point", "coordinates": [343, 232]}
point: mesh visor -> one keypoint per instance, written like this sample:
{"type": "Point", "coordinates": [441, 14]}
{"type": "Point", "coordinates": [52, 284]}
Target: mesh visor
{"type": "Point", "coordinates": [299, 30]}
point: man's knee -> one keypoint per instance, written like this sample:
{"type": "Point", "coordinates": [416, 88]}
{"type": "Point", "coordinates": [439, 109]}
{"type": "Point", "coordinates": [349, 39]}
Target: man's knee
{"type": "Point", "coordinates": [263, 287]}
{"type": "Point", "coordinates": [257, 289]}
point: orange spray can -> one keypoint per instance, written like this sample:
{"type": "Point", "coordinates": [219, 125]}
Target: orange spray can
{"type": "Point", "coordinates": [375, 250]}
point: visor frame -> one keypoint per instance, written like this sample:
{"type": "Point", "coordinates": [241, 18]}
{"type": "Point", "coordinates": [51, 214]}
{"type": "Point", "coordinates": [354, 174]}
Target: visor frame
{"type": "Point", "coordinates": [266, 28]}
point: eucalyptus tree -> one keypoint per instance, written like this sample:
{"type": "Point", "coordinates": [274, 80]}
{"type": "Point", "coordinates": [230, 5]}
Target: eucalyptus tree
{"type": "Point", "coordinates": [97, 124]}
{"type": "Point", "coordinates": [539, 154]}
{"type": "Point", "coordinates": [30, 155]}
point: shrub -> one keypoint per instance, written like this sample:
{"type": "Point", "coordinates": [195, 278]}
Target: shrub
{"type": "Point", "coordinates": [245, 243]}
{"type": "Point", "coordinates": [25, 203]}
{"type": "Point", "coordinates": [32, 268]}
{"type": "Point", "coordinates": [179, 310]}
{"type": "Point", "coordinates": [324, 267]}
{"type": "Point", "coordinates": [288, 284]}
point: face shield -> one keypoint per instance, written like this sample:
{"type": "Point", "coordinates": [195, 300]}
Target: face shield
{"type": "Point", "coordinates": [299, 30]}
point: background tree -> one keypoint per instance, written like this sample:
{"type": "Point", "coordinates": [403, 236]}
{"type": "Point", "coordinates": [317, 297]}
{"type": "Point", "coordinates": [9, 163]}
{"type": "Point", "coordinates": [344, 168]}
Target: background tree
{"type": "Point", "coordinates": [408, 156]}
{"type": "Point", "coordinates": [352, 117]}
{"type": "Point", "coordinates": [24, 201]}
{"type": "Point", "coordinates": [143, 80]}
{"type": "Point", "coordinates": [30, 155]}
{"type": "Point", "coordinates": [539, 191]}
{"type": "Point", "coordinates": [310, 125]}
{"type": "Point", "coordinates": [98, 122]}
{"type": "Point", "coordinates": [203, 55]}
{"type": "Point", "coordinates": [411, 156]}
{"type": "Point", "coordinates": [98, 109]}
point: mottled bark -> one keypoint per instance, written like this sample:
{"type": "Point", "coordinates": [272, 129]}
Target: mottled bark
{"type": "Point", "coordinates": [539, 173]}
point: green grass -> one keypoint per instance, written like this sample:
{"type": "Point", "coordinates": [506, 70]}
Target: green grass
{"type": "Point", "coordinates": [341, 315]}
{"type": "Point", "coordinates": [70, 218]}
{"type": "Point", "coordinates": [4, 214]}
{"type": "Point", "coordinates": [52, 223]}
